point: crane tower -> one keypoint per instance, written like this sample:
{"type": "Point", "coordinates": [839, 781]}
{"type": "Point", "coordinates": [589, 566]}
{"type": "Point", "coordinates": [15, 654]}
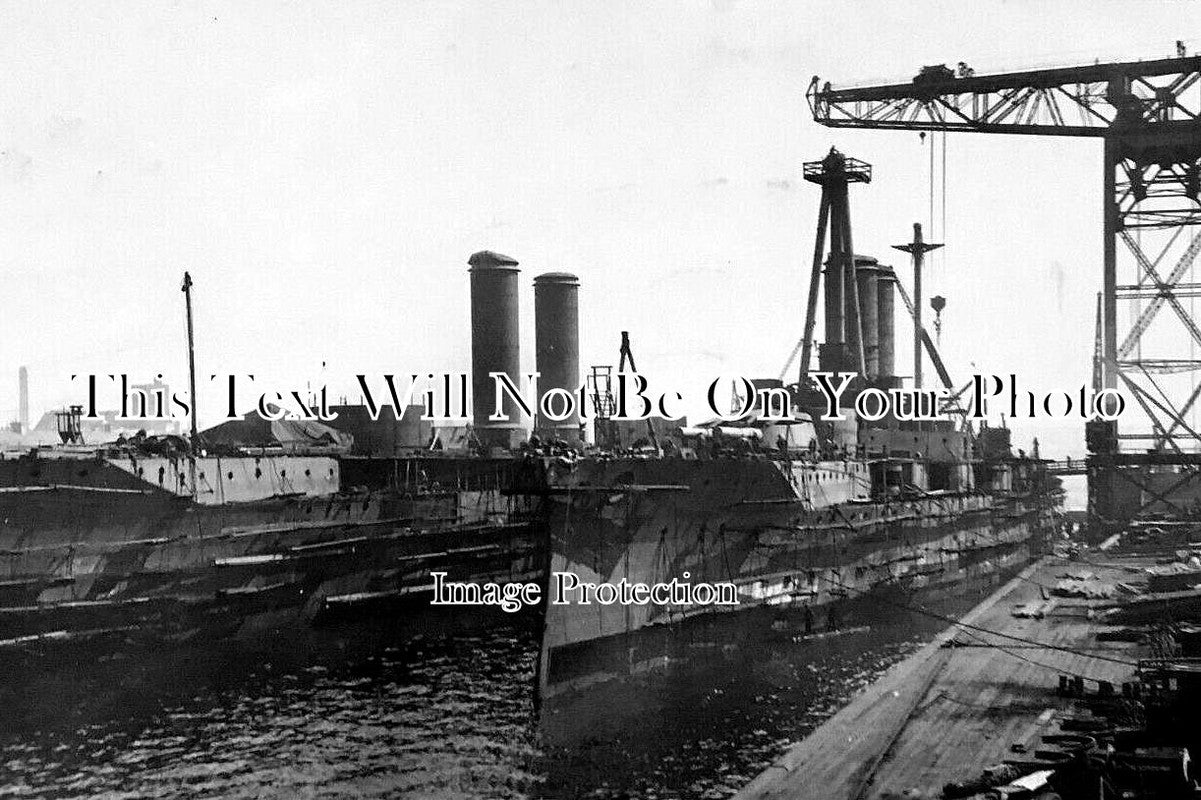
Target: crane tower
{"type": "Point", "coordinates": [1148, 116]}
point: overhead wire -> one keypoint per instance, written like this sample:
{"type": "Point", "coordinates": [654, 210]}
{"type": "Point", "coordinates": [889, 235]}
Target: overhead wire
{"type": "Point", "coordinates": [1009, 651]}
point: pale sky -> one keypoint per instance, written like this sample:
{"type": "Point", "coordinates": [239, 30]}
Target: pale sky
{"type": "Point", "coordinates": [325, 171]}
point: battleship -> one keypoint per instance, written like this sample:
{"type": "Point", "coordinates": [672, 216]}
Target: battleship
{"type": "Point", "coordinates": [841, 595]}
{"type": "Point", "coordinates": [115, 540]}
{"type": "Point", "coordinates": [811, 514]}
{"type": "Point", "coordinates": [260, 526]}
{"type": "Point", "coordinates": [252, 531]}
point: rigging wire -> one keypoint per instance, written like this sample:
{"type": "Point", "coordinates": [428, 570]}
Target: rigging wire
{"type": "Point", "coordinates": [1009, 651]}
{"type": "Point", "coordinates": [942, 229]}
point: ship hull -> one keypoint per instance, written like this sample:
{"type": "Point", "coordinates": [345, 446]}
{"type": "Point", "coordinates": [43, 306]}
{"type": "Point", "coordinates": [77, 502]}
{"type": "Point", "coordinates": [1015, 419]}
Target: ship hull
{"type": "Point", "coordinates": [765, 530]}
{"type": "Point", "coordinates": [92, 549]}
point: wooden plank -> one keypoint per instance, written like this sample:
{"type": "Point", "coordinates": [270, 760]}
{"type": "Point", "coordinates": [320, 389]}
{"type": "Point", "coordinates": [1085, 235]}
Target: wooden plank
{"type": "Point", "coordinates": [948, 712]}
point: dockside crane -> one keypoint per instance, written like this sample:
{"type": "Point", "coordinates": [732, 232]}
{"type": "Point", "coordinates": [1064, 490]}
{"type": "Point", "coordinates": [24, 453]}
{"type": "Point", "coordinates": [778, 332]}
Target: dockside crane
{"type": "Point", "coordinates": [1148, 116]}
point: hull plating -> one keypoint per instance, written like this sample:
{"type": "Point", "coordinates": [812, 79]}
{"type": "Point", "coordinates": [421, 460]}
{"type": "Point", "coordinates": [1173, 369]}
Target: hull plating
{"type": "Point", "coordinates": [91, 548]}
{"type": "Point", "coordinates": [760, 526]}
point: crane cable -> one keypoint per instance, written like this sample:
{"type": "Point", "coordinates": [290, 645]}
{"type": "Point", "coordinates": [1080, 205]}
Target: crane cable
{"type": "Point", "coordinates": [942, 231]}
{"type": "Point", "coordinates": [931, 198]}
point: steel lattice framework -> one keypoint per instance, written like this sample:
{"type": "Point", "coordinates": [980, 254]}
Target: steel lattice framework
{"type": "Point", "coordinates": [1148, 113]}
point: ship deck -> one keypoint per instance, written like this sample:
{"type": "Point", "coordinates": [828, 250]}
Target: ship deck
{"type": "Point", "coordinates": [961, 703]}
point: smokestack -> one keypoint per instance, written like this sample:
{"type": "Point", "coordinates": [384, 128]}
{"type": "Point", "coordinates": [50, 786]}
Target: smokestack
{"type": "Point", "coordinates": [23, 389]}
{"type": "Point", "coordinates": [557, 346]}
{"type": "Point", "coordinates": [886, 336]}
{"type": "Point", "coordinates": [866, 273]}
{"type": "Point", "coordinates": [495, 345]}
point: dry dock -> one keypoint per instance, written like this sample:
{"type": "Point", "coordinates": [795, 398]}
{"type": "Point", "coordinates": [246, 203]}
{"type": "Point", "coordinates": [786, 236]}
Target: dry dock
{"type": "Point", "coordinates": [961, 703]}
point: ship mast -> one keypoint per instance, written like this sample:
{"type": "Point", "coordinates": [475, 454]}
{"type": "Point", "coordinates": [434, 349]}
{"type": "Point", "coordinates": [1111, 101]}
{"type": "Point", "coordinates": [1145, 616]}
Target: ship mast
{"type": "Point", "coordinates": [918, 249]}
{"type": "Point", "coordinates": [187, 293]}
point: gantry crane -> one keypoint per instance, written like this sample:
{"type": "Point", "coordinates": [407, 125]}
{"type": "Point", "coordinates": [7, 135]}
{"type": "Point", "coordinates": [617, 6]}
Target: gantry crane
{"type": "Point", "coordinates": [1148, 115]}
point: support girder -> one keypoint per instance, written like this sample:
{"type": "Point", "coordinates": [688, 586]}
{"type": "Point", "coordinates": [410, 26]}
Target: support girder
{"type": "Point", "coordinates": [1149, 115]}
{"type": "Point", "coordinates": [1164, 292]}
{"type": "Point", "coordinates": [1090, 100]}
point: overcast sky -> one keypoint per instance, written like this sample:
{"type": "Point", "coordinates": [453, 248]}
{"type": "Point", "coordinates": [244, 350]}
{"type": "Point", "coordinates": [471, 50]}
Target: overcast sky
{"type": "Point", "coordinates": [325, 171]}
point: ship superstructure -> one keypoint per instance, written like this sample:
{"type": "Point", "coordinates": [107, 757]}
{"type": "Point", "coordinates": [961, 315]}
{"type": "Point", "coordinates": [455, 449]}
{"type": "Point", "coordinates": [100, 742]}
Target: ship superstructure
{"type": "Point", "coordinates": [816, 513]}
{"type": "Point", "coordinates": [248, 529]}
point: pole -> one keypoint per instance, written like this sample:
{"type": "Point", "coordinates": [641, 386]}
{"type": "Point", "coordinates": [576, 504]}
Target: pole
{"type": "Point", "coordinates": [187, 292]}
{"type": "Point", "coordinates": [1098, 348]}
{"type": "Point", "coordinates": [918, 257]}
{"type": "Point", "coordinates": [627, 356]}
{"type": "Point", "coordinates": [854, 320]}
{"type": "Point", "coordinates": [823, 216]}
{"type": "Point", "coordinates": [1110, 263]}
{"type": "Point", "coordinates": [194, 441]}
{"type": "Point", "coordinates": [918, 249]}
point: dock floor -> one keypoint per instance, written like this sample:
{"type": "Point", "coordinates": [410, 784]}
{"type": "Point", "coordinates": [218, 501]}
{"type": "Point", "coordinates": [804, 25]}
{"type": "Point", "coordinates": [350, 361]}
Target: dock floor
{"type": "Point", "coordinates": [947, 712]}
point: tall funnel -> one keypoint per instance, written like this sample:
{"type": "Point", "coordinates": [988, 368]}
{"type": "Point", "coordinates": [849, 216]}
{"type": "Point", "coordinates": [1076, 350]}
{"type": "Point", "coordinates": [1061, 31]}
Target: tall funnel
{"type": "Point", "coordinates": [557, 346]}
{"type": "Point", "coordinates": [23, 389]}
{"type": "Point", "coordinates": [866, 273]}
{"type": "Point", "coordinates": [885, 297]}
{"type": "Point", "coordinates": [495, 345]}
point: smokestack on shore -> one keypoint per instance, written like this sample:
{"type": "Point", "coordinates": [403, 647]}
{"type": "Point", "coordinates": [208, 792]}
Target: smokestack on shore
{"type": "Point", "coordinates": [557, 347]}
{"type": "Point", "coordinates": [23, 393]}
{"type": "Point", "coordinates": [495, 345]}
